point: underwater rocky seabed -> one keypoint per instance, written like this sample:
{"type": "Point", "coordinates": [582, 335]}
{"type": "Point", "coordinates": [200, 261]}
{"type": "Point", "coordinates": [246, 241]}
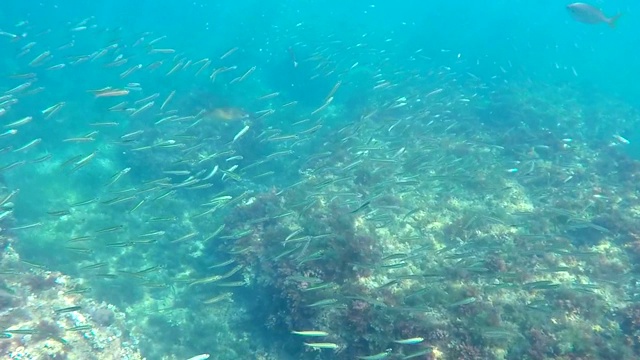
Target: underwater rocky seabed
{"type": "Point", "coordinates": [506, 232]}
{"type": "Point", "coordinates": [40, 320]}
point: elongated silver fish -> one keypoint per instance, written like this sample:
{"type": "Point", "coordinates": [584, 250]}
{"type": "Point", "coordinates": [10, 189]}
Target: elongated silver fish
{"type": "Point", "coordinates": [199, 357]}
{"type": "Point", "coordinates": [591, 15]}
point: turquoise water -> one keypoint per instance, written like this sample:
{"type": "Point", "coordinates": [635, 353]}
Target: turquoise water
{"type": "Point", "coordinates": [404, 180]}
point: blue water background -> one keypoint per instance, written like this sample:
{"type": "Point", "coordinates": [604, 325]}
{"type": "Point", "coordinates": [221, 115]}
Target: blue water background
{"type": "Point", "coordinates": [528, 39]}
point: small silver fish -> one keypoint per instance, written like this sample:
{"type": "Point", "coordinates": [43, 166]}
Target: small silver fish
{"type": "Point", "coordinates": [590, 15]}
{"type": "Point", "coordinates": [199, 357]}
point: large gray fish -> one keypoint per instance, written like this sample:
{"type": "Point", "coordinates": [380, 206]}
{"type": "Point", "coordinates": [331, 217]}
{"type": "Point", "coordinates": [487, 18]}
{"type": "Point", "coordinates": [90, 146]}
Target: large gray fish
{"type": "Point", "coordinates": [591, 15]}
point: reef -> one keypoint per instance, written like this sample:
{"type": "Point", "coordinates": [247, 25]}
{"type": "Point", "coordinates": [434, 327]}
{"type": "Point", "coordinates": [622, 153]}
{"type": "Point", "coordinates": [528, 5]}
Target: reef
{"type": "Point", "coordinates": [45, 315]}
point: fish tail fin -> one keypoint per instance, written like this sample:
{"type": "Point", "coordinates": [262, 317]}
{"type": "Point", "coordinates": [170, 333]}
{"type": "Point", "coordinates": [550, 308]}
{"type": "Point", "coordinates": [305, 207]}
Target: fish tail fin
{"type": "Point", "coordinates": [612, 21]}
